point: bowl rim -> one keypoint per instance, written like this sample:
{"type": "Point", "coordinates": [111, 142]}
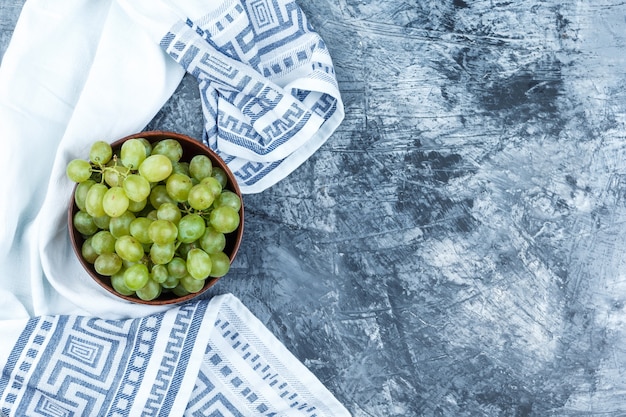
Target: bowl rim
{"type": "Point", "coordinates": [101, 280]}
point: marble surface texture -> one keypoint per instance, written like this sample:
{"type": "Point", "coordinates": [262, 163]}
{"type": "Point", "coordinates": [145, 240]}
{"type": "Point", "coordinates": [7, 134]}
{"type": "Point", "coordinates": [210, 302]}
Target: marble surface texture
{"type": "Point", "coordinates": [457, 247]}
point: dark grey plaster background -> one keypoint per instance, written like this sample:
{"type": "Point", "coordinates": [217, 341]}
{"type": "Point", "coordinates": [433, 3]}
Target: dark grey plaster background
{"type": "Point", "coordinates": [457, 247]}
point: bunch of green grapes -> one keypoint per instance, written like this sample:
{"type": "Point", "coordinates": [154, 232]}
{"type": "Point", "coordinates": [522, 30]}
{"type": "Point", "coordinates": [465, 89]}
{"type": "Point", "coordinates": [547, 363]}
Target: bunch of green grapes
{"type": "Point", "coordinates": [151, 222]}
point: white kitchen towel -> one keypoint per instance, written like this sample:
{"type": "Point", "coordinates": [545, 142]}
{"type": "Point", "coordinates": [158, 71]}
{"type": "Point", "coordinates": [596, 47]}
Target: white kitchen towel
{"type": "Point", "coordinates": [268, 88]}
{"type": "Point", "coordinates": [207, 358]}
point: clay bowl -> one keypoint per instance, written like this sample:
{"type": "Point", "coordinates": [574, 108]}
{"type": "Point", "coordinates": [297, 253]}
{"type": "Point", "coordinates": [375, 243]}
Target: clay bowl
{"type": "Point", "coordinates": [190, 147]}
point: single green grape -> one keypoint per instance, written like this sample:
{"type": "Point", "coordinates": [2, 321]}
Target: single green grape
{"type": "Point", "coordinates": [114, 175]}
{"type": "Point", "coordinates": [138, 229]}
{"type": "Point", "coordinates": [78, 170]}
{"type": "Point", "coordinates": [159, 273]}
{"type": "Point", "coordinates": [115, 202]}
{"type": "Point", "coordinates": [103, 221]}
{"type": "Point", "coordinates": [161, 254]}
{"type": "Point", "coordinates": [220, 175]}
{"type": "Point", "coordinates": [159, 195]}
{"type": "Point", "coordinates": [170, 282]}
{"type": "Point", "coordinates": [103, 242]}
{"type": "Point", "coordinates": [180, 291]}
{"type": "Point", "coordinates": [129, 248]}
{"type": "Point", "coordinates": [214, 185]}
{"type": "Point", "coordinates": [136, 276]}
{"type": "Point", "coordinates": [108, 264]}
{"type": "Point", "coordinates": [83, 222]}
{"type": "Point", "coordinates": [180, 167]}
{"type": "Point", "coordinates": [156, 168]}
{"type": "Point", "coordinates": [150, 291]}
{"type": "Point", "coordinates": [198, 264]}
{"type": "Point", "coordinates": [93, 200]}
{"type": "Point", "coordinates": [200, 197]}
{"type": "Point", "coordinates": [224, 219]}
{"type": "Point", "coordinates": [80, 194]}
{"type": "Point", "coordinates": [191, 227]}
{"type": "Point", "coordinates": [120, 226]}
{"type": "Point", "coordinates": [191, 285]}
{"type": "Point", "coordinates": [133, 153]}
{"type": "Point", "coordinates": [228, 198]}
{"type": "Point", "coordinates": [137, 206]}
{"type": "Point", "coordinates": [170, 148]}
{"type": "Point", "coordinates": [220, 264]}
{"type": "Point", "coordinates": [100, 152]}
{"type": "Point", "coordinates": [88, 252]}
{"type": "Point", "coordinates": [169, 211]}
{"type": "Point", "coordinates": [212, 241]}
{"type": "Point", "coordinates": [162, 231]}
{"type": "Point", "coordinates": [137, 188]}
{"type": "Point", "coordinates": [200, 167]}
{"type": "Point", "coordinates": [178, 186]}
{"type": "Point", "coordinates": [177, 267]}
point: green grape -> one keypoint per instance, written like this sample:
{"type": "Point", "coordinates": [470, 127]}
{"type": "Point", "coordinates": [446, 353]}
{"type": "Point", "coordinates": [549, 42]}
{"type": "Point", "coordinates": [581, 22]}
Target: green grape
{"type": "Point", "coordinates": [200, 167]}
{"type": "Point", "coordinates": [184, 248]}
{"type": "Point", "coordinates": [178, 186]}
{"type": "Point", "coordinates": [115, 202]}
{"type": "Point", "coordinates": [180, 291]}
{"type": "Point", "coordinates": [88, 252]}
{"type": "Point", "coordinates": [177, 267]}
{"type": "Point", "coordinates": [133, 153]}
{"type": "Point", "coordinates": [159, 273]}
{"type": "Point", "coordinates": [102, 222]}
{"type": "Point", "coordinates": [228, 198]}
{"type": "Point", "coordinates": [191, 284]}
{"type": "Point", "coordinates": [200, 197]}
{"type": "Point", "coordinates": [161, 254]}
{"type": "Point", "coordinates": [162, 231]}
{"type": "Point", "coordinates": [118, 284]}
{"type": "Point", "coordinates": [150, 291]}
{"type": "Point", "coordinates": [129, 248]}
{"type": "Point", "coordinates": [114, 175]}
{"type": "Point", "coordinates": [159, 195]}
{"type": "Point", "coordinates": [220, 264]}
{"type": "Point", "coordinates": [136, 276]}
{"type": "Point", "coordinates": [83, 222]}
{"type": "Point", "coordinates": [152, 215]}
{"type": "Point", "coordinates": [100, 152]}
{"type": "Point", "coordinates": [103, 242]}
{"type": "Point", "coordinates": [137, 206]}
{"type": "Point", "coordinates": [80, 194]}
{"type": "Point", "coordinates": [180, 167]}
{"type": "Point", "coordinates": [138, 229]}
{"type": "Point", "coordinates": [213, 184]}
{"type": "Point", "coordinates": [170, 148]}
{"type": "Point", "coordinates": [137, 188]}
{"type": "Point", "coordinates": [156, 168]}
{"type": "Point", "coordinates": [169, 211]}
{"type": "Point", "coordinates": [198, 264]}
{"type": "Point", "coordinates": [78, 170]}
{"type": "Point", "coordinates": [93, 200]}
{"type": "Point", "coordinates": [108, 264]}
{"type": "Point", "coordinates": [220, 175]}
{"type": "Point", "coordinates": [146, 144]}
{"type": "Point", "coordinates": [191, 227]}
{"type": "Point", "coordinates": [120, 226]}
{"type": "Point", "coordinates": [224, 219]}
{"type": "Point", "coordinates": [170, 282]}
{"type": "Point", "coordinates": [212, 241]}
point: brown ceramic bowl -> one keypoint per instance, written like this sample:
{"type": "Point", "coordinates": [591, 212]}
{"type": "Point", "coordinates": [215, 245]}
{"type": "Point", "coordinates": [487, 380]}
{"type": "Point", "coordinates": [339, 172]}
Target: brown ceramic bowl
{"type": "Point", "coordinates": [190, 147]}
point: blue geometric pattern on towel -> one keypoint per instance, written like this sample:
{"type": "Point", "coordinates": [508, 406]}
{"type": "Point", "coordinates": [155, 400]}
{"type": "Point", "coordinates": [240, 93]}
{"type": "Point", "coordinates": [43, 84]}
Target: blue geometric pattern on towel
{"type": "Point", "coordinates": [80, 366]}
{"type": "Point", "coordinates": [243, 55]}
